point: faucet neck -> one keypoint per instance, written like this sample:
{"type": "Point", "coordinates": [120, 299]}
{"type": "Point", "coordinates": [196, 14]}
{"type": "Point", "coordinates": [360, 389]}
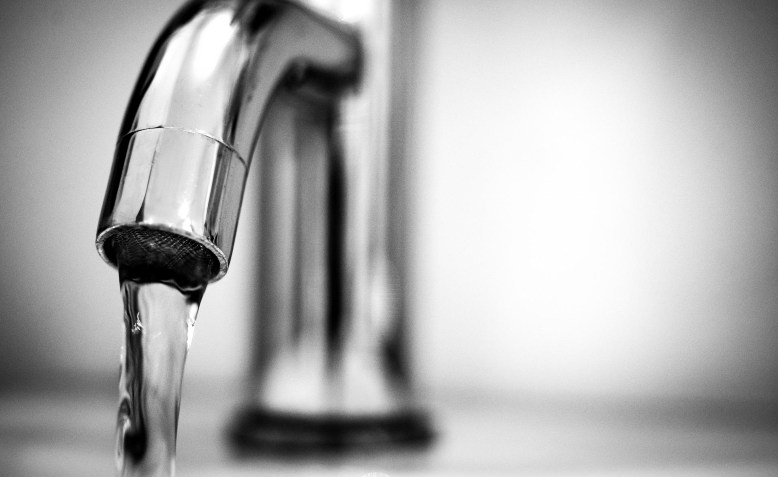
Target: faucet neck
{"type": "Point", "coordinates": [193, 122]}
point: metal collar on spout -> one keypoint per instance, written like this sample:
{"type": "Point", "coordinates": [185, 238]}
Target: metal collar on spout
{"type": "Point", "coordinates": [193, 121]}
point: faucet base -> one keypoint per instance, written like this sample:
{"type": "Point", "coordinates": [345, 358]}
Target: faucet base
{"type": "Point", "coordinates": [260, 431]}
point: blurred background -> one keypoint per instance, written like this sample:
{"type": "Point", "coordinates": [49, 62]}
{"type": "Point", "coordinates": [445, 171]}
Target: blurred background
{"type": "Point", "coordinates": [594, 210]}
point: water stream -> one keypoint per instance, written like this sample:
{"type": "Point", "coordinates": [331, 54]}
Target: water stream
{"type": "Point", "coordinates": [159, 320]}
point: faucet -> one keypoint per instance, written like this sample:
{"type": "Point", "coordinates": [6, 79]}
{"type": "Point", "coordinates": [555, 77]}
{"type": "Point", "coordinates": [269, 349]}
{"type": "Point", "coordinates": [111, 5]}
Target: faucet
{"type": "Point", "coordinates": [315, 98]}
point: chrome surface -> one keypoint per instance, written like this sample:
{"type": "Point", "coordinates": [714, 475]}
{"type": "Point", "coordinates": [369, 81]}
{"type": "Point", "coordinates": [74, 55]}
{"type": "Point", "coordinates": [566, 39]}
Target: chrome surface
{"type": "Point", "coordinates": [332, 264]}
{"type": "Point", "coordinates": [318, 93]}
{"type": "Point", "coordinates": [193, 121]}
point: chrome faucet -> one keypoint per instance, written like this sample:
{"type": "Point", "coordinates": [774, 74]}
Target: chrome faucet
{"type": "Point", "coordinates": [315, 97]}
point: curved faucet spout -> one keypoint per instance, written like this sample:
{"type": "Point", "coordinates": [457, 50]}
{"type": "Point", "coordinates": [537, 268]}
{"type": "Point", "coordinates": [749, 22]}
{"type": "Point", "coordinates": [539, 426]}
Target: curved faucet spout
{"type": "Point", "coordinates": [323, 106]}
{"type": "Point", "coordinates": [194, 119]}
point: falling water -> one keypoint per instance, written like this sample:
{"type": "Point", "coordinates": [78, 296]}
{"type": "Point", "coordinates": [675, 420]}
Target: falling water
{"type": "Point", "coordinates": [159, 319]}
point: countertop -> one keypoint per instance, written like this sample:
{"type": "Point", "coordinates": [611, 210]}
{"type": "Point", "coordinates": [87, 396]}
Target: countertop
{"type": "Point", "coordinates": [67, 430]}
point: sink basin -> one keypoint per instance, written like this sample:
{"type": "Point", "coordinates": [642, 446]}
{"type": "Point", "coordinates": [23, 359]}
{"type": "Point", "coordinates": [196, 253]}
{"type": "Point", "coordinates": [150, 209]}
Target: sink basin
{"type": "Point", "coordinates": [66, 430]}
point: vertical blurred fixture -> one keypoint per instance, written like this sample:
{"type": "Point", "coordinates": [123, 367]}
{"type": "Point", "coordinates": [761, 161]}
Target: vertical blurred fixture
{"type": "Point", "coordinates": [317, 93]}
{"type": "Point", "coordinates": [330, 366]}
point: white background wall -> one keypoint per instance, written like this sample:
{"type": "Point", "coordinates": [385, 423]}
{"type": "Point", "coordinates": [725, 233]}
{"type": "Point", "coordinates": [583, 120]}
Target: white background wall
{"type": "Point", "coordinates": [596, 194]}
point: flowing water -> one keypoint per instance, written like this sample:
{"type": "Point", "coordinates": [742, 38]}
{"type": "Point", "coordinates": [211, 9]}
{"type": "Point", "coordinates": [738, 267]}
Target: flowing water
{"type": "Point", "coordinates": [159, 320]}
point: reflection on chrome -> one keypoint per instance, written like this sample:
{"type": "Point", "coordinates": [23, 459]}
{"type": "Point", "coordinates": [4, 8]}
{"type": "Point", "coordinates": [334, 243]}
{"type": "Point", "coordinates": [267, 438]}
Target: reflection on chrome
{"type": "Point", "coordinates": [315, 92]}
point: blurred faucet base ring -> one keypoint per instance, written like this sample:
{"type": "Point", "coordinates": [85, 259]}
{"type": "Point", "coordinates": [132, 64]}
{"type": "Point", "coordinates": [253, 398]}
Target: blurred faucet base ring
{"type": "Point", "coordinates": [255, 430]}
